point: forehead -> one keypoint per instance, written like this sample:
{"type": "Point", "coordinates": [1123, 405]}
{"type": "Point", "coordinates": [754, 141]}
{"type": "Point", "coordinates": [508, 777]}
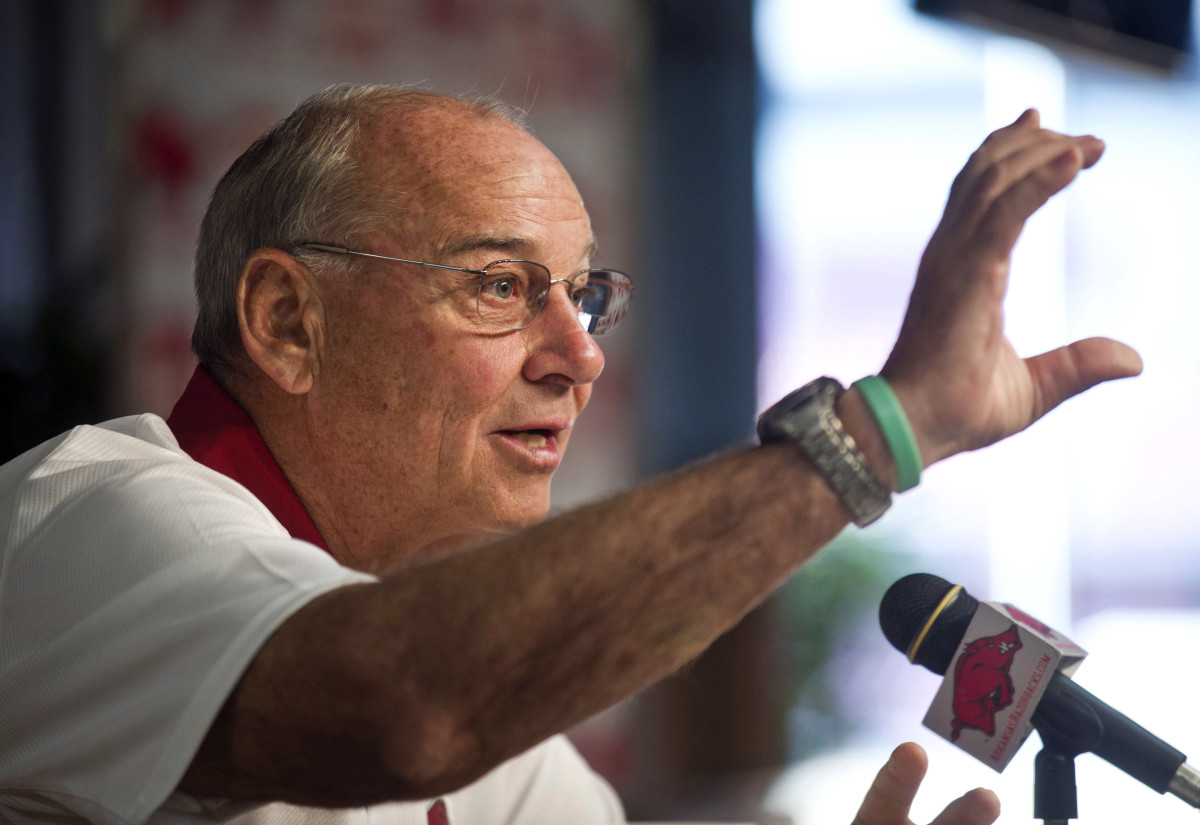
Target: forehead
{"type": "Point", "coordinates": [453, 174]}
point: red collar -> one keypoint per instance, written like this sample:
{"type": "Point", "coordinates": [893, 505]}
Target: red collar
{"type": "Point", "coordinates": [211, 428]}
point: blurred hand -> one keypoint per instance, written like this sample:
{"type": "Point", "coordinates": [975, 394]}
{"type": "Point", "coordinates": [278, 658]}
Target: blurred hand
{"type": "Point", "coordinates": [958, 378]}
{"type": "Point", "coordinates": [895, 787]}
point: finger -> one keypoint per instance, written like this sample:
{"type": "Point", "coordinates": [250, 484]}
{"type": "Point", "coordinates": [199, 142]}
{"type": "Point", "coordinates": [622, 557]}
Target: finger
{"type": "Point", "coordinates": [1092, 148]}
{"type": "Point", "coordinates": [1024, 131]}
{"type": "Point", "coordinates": [1002, 158]}
{"type": "Point", "coordinates": [1067, 371]}
{"type": "Point", "coordinates": [987, 177]}
{"type": "Point", "coordinates": [1054, 155]}
{"type": "Point", "coordinates": [1008, 140]}
{"type": "Point", "coordinates": [977, 807]}
{"type": "Point", "coordinates": [1004, 142]}
{"type": "Point", "coordinates": [989, 156]}
{"type": "Point", "coordinates": [1028, 121]}
{"type": "Point", "coordinates": [1043, 154]}
{"type": "Point", "coordinates": [891, 794]}
{"type": "Point", "coordinates": [997, 147]}
{"type": "Point", "coordinates": [1022, 186]}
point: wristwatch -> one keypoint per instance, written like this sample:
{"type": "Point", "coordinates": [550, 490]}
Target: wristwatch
{"type": "Point", "coordinates": [806, 417]}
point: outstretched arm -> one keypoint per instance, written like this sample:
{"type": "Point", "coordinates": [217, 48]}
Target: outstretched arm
{"type": "Point", "coordinates": [424, 681]}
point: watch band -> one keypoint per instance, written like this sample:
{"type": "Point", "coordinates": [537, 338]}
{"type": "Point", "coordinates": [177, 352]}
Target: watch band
{"type": "Point", "coordinates": [806, 417]}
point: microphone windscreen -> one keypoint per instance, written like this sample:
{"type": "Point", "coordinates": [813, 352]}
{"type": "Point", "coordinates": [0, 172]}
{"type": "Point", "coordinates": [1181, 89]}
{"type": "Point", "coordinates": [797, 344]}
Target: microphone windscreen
{"type": "Point", "coordinates": [905, 610]}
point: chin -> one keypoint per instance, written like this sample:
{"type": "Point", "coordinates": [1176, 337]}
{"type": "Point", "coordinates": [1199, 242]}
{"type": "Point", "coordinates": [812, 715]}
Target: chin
{"type": "Point", "coordinates": [524, 514]}
{"type": "Point", "coordinates": [527, 519]}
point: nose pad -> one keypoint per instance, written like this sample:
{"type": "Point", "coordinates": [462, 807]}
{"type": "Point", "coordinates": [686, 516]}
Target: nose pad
{"type": "Point", "coordinates": [566, 296]}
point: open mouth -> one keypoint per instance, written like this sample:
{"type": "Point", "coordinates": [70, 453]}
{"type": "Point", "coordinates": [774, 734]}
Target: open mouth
{"type": "Point", "coordinates": [533, 439]}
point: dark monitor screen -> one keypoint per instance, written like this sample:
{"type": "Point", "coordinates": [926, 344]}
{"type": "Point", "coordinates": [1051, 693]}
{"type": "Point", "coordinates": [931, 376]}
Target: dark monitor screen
{"type": "Point", "coordinates": [1151, 32]}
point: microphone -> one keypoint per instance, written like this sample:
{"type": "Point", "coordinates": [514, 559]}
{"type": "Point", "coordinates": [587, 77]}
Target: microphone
{"type": "Point", "coordinates": [927, 618]}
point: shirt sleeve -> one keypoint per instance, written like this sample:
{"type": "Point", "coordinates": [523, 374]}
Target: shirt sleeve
{"type": "Point", "coordinates": [551, 782]}
{"type": "Point", "coordinates": [135, 588]}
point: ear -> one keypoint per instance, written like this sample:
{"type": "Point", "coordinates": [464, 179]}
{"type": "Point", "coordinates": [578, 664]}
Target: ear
{"type": "Point", "coordinates": [281, 318]}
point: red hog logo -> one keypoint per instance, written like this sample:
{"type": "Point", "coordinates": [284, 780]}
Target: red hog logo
{"type": "Point", "coordinates": [982, 685]}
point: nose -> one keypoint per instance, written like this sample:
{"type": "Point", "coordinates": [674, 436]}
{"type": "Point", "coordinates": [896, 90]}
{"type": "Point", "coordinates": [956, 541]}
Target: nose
{"type": "Point", "coordinates": [561, 350]}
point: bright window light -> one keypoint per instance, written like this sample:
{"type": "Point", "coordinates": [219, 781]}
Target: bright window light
{"type": "Point", "coordinates": [1086, 520]}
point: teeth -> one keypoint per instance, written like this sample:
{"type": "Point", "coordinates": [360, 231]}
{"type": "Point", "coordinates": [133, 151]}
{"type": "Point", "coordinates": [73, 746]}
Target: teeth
{"type": "Point", "coordinates": [534, 441]}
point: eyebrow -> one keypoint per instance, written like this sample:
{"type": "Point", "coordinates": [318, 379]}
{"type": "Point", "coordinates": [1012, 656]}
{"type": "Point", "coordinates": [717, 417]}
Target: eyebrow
{"type": "Point", "coordinates": [508, 244]}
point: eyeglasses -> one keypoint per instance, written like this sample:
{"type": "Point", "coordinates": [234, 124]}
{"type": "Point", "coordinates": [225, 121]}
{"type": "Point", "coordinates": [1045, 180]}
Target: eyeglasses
{"type": "Point", "coordinates": [513, 293]}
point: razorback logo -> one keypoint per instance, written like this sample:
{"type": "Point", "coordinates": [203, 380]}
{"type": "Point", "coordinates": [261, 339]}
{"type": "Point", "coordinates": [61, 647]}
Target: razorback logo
{"type": "Point", "coordinates": [1022, 616]}
{"type": "Point", "coordinates": [982, 685]}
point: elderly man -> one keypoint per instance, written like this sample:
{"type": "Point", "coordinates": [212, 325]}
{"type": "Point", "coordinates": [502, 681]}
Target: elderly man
{"type": "Point", "coordinates": [320, 582]}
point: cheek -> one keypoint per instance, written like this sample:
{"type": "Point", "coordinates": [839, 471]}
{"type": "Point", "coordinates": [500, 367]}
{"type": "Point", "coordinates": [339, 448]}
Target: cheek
{"type": "Point", "coordinates": [419, 374]}
{"type": "Point", "coordinates": [459, 383]}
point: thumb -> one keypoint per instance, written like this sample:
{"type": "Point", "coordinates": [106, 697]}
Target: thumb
{"type": "Point", "coordinates": [977, 807]}
{"type": "Point", "coordinates": [1067, 371]}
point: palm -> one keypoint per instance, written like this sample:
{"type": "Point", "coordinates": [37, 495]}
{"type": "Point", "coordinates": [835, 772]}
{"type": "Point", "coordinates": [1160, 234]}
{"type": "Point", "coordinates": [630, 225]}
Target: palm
{"type": "Point", "coordinates": [954, 370]}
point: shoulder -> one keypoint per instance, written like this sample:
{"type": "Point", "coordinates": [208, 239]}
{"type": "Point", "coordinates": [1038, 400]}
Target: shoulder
{"type": "Point", "coordinates": [105, 510]}
{"type": "Point", "coordinates": [135, 587]}
{"type": "Point", "coordinates": [117, 510]}
{"type": "Point", "coordinates": [121, 438]}
{"type": "Point", "coordinates": [129, 472]}
{"type": "Point", "coordinates": [551, 782]}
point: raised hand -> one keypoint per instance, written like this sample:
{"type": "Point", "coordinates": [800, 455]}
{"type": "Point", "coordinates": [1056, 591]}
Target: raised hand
{"type": "Point", "coordinates": [891, 795]}
{"type": "Point", "coordinates": [952, 367]}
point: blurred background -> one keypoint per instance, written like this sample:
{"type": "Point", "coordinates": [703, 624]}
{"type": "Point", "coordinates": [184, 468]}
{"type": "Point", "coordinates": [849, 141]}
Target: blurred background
{"type": "Point", "coordinates": [769, 172]}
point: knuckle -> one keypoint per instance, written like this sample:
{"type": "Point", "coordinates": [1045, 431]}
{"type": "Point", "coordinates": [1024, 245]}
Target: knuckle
{"type": "Point", "coordinates": [987, 187]}
{"type": "Point", "coordinates": [991, 182]}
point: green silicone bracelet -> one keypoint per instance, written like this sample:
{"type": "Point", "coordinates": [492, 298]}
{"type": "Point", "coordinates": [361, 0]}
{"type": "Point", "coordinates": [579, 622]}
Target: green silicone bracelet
{"type": "Point", "coordinates": [897, 432]}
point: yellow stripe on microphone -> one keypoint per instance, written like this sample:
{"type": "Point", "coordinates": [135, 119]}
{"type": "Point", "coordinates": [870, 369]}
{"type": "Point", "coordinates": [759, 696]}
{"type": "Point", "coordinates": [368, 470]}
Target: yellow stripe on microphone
{"type": "Point", "coordinates": [915, 646]}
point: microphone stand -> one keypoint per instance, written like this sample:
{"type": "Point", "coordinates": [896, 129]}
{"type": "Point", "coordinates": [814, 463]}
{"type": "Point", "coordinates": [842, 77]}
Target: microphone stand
{"type": "Point", "coordinates": [1072, 721]}
{"type": "Point", "coordinates": [1055, 800]}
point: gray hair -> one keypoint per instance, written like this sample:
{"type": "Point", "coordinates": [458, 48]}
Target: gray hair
{"type": "Point", "coordinates": [301, 181]}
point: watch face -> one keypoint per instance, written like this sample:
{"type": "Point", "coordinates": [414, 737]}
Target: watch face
{"type": "Point", "coordinates": [806, 418]}
{"type": "Point", "coordinates": [797, 412]}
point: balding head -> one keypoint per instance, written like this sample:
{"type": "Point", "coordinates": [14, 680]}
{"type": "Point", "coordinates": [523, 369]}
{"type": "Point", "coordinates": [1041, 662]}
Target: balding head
{"type": "Point", "coordinates": [308, 178]}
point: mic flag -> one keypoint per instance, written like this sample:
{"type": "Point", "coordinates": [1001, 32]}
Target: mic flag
{"type": "Point", "coordinates": [1005, 673]}
{"type": "Point", "coordinates": [996, 679]}
{"type": "Point", "coordinates": [996, 662]}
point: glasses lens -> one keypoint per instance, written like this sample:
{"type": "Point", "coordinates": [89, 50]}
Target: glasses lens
{"type": "Point", "coordinates": [603, 300]}
{"type": "Point", "coordinates": [511, 293]}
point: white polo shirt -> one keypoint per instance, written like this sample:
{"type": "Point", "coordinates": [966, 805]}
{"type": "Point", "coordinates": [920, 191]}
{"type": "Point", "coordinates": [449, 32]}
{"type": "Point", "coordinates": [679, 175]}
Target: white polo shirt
{"type": "Point", "coordinates": [136, 585]}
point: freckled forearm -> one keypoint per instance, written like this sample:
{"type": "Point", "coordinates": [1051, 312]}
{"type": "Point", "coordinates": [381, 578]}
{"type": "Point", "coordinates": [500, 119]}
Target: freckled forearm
{"type": "Point", "coordinates": [440, 672]}
{"type": "Point", "coordinates": [589, 608]}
